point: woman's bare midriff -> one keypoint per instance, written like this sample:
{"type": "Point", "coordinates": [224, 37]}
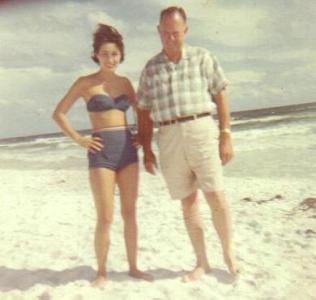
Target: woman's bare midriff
{"type": "Point", "coordinates": [109, 119]}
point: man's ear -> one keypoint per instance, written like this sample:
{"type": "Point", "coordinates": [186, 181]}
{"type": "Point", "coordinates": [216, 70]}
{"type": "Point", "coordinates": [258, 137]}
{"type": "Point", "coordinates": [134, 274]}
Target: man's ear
{"type": "Point", "coordinates": [158, 28]}
{"type": "Point", "coordinates": [186, 29]}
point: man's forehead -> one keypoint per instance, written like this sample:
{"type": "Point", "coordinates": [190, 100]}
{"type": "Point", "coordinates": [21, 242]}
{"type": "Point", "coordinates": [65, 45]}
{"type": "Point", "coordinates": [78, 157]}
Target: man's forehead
{"type": "Point", "coordinates": [174, 16]}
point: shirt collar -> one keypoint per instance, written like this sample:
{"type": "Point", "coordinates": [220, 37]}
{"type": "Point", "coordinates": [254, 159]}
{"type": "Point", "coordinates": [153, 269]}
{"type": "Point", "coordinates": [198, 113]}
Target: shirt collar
{"type": "Point", "coordinates": [184, 55]}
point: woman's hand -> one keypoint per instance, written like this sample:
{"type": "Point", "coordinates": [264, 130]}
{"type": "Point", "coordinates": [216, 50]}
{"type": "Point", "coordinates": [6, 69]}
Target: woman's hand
{"type": "Point", "coordinates": [93, 144]}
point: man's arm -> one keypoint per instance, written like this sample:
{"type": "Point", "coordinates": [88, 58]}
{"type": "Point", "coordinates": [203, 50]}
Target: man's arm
{"type": "Point", "coordinates": [145, 129]}
{"type": "Point", "coordinates": [225, 143]}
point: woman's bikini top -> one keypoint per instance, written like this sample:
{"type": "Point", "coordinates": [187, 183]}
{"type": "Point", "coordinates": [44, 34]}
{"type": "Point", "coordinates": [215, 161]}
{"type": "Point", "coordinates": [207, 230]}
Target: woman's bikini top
{"type": "Point", "coordinates": [101, 102]}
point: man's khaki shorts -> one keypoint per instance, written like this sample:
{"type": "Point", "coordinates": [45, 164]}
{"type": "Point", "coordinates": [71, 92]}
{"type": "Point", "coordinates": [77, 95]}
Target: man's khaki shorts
{"type": "Point", "coordinates": [189, 157]}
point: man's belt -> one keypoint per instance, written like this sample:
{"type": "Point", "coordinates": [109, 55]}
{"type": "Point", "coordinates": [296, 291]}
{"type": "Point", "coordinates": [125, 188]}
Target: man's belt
{"type": "Point", "coordinates": [184, 119]}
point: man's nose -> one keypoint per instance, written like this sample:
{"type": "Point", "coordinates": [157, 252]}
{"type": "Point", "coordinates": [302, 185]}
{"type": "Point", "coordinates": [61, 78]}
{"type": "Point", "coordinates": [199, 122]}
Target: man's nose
{"type": "Point", "coordinates": [171, 37]}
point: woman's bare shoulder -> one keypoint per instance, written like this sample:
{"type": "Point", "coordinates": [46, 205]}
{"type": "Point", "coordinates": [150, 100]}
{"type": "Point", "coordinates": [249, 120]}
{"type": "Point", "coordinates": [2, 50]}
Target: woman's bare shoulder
{"type": "Point", "coordinates": [128, 88]}
{"type": "Point", "coordinates": [87, 79]}
{"type": "Point", "coordinates": [125, 81]}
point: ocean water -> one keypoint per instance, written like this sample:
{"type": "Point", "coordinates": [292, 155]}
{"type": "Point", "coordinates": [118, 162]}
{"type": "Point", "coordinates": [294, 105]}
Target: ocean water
{"type": "Point", "coordinates": [274, 143]}
{"type": "Point", "coordinates": [278, 146]}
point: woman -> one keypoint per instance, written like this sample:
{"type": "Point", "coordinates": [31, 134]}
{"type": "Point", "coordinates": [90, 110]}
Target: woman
{"type": "Point", "coordinates": [111, 153]}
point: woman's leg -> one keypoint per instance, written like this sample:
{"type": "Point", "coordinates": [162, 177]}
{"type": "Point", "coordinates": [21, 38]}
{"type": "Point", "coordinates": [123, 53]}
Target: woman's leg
{"type": "Point", "coordinates": [127, 180]}
{"type": "Point", "coordinates": [102, 183]}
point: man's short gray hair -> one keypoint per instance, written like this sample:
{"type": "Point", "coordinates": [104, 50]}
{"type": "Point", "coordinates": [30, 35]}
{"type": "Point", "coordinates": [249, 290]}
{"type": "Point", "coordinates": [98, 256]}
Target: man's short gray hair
{"type": "Point", "coordinates": [172, 10]}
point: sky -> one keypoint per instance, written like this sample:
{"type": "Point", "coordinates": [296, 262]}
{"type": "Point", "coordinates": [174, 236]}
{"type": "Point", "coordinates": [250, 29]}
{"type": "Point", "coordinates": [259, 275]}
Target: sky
{"type": "Point", "coordinates": [266, 48]}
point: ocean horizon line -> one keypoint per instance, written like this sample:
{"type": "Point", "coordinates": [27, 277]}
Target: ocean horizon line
{"type": "Point", "coordinates": [235, 115]}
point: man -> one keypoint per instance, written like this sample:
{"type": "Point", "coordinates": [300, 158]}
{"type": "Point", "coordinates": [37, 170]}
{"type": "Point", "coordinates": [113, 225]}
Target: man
{"type": "Point", "coordinates": [175, 91]}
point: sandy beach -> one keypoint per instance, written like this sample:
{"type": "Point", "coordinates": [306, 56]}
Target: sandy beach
{"type": "Point", "coordinates": [53, 52]}
{"type": "Point", "coordinates": [47, 219]}
{"type": "Point", "coordinates": [47, 225]}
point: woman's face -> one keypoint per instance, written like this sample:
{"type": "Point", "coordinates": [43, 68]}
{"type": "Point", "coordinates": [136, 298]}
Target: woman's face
{"type": "Point", "coordinates": [109, 56]}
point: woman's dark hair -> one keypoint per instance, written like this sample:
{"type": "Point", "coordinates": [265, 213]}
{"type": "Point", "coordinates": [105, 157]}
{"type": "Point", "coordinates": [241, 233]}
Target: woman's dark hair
{"type": "Point", "coordinates": [106, 34]}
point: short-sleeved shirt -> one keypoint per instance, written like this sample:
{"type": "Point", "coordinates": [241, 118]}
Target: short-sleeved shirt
{"type": "Point", "coordinates": [171, 90]}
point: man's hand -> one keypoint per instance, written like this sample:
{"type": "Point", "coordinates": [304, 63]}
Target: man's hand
{"type": "Point", "coordinates": [136, 140]}
{"type": "Point", "coordinates": [226, 152]}
{"type": "Point", "coordinates": [150, 162]}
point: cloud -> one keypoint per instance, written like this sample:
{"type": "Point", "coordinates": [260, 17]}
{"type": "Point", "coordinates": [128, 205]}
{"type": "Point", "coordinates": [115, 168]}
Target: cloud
{"type": "Point", "coordinates": [245, 76]}
{"type": "Point", "coordinates": [96, 17]}
{"type": "Point", "coordinates": [19, 83]}
{"type": "Point", "coordinates": [28, 97]}
{"type": "Point", "coordinates": [236, 26]}
{"type": "Point", "coordinates": [46, 45]}
{"type": "Point", "coordinates": [59, 36]}
{"type": "Point", "coordinates": [305, 56]}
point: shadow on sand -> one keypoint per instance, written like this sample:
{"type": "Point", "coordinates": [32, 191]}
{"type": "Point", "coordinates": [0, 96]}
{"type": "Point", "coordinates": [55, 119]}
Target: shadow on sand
{"type": "Point", "coordinates": [15, 279]}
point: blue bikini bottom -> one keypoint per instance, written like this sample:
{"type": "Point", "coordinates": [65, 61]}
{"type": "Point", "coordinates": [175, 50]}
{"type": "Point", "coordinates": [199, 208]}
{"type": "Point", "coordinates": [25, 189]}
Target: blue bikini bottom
{"type": "Point", "coordinates": [118, 150]}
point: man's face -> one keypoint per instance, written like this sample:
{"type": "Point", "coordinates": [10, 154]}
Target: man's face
{"type": "Point", "coordinates": [172, 30]}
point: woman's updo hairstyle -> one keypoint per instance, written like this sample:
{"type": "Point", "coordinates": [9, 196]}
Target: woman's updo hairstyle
{"type": "Point", "coordinates": [106, 34]}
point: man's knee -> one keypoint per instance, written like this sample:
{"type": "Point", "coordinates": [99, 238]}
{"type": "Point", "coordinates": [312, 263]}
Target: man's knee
{"type": "Point", "coordinates": [216, 200]}
{"type": "Point", "coordinates": [189, 204]}
{"type": "Point", "coordinates": [191, 213]}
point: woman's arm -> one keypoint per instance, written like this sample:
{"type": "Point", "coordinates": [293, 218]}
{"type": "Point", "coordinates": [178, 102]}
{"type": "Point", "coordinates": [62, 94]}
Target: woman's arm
{"type": "Point", "coordinates": [131, 98]}
{"type": "Point", "coordinates": [130, 92]}
{"type": "Point", "coordinates": [59, 115]}
{"type": "Point", "coordinates": [63, 107]}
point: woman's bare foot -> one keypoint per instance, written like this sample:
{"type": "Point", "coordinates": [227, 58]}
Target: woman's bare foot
{"type": "Point", "coordinates": [231, 263]}
{"type": "Point", "coordinates": [196, 273]}
{"type": "Point", "coordinates": [99, 282]}
{"type": "Point", "coordinates": [141, 275]}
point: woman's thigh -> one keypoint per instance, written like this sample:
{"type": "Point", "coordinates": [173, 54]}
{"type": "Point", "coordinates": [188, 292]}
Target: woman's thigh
{"type": "Point", "coordinates": [127, 180]}
{"type": "Point", "coordinates": [102, 182]}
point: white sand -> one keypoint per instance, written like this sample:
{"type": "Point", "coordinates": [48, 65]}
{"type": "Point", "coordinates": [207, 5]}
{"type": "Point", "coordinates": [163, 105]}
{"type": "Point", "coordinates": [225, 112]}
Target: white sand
{"type": "Point", "coordinates": [47, 224]}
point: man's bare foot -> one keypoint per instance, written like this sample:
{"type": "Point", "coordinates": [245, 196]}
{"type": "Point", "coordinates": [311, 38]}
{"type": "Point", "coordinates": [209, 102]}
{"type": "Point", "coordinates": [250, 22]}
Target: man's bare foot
{"type": "Point", "coordinates": [99, 282]}
{"type": "Point", "coordinates": [196, 274]}
{"type": "Point", "coordinates": [231, 263]}
{"type": "Point", "coordinates": [141, 275]}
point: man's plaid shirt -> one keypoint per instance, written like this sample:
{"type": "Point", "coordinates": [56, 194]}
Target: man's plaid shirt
{"type": "Point", "coordinates": [171, 90]}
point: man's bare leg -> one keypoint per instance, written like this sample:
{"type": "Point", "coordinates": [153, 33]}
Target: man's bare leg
{"type": "Point", "coordinates": [194, 226]}
{"type": "Point", "coordinates": [222, 223]}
